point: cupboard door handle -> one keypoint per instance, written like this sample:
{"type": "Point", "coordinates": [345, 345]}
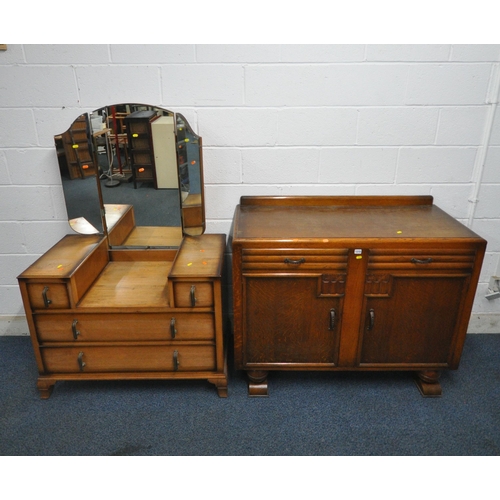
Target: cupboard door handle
{"type": "Point", "coordinates": [298, 261]}
{"type": "Point", "coordinates": [176, 360]}
{"type": "Point", "coordinates": [372, 319]}
{"type": "Point", "coordinates": [422, 261]}
{"type": "Point", "coordinates": [333, 315]}
{"type": "Point", "coordinates": [75, 331]}
{"type": "Point", "coordinates": [192, 294]}
{"type": "Point", "coordinates": [81, 363]}
{"type": "Point", "coordinates": [173, 331]}
{"type": "Point", "coordinates": [46, 300]}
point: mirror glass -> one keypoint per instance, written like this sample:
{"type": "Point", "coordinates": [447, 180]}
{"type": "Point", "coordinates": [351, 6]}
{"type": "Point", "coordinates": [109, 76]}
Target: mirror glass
{"type": "Point", "coordinates": [138, 165]}
{"type": "Point", "coordinates": [79, 177]}
{"type": "Point", "coordinates": [190, 177]}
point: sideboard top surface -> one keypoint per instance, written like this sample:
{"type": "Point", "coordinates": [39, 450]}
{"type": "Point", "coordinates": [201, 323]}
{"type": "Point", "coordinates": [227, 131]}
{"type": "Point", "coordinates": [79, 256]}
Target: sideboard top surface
{"type": "Point", "coordinates": [366, 217]}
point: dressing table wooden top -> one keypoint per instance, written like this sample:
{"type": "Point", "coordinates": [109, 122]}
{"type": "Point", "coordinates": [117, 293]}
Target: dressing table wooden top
{"type": "Point", "coordinates": [200, 257]}
{"type": "Point", "coordinates": [63, 259]}
{"type": "Point", "coordinates": [130, 285]}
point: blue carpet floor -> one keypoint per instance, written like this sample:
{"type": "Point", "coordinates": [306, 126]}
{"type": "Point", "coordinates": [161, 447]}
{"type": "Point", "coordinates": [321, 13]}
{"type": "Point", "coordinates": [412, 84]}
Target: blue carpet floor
{"type": "Point", "coordinates": [307, 413]}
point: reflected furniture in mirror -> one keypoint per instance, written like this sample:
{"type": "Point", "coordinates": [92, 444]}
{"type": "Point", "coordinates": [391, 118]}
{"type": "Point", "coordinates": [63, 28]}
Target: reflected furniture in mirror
{"type": "Point", "coordinates": [137, 293]}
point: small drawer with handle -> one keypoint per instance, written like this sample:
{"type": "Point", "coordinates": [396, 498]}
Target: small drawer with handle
{"type": "Point", "coordinates": [48, 296]}
{"type": "Point", "coordinates": [193, 294]}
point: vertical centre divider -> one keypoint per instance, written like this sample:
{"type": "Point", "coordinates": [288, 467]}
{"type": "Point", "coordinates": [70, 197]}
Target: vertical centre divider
{"type": "Point", "coordinates": [352, 318]}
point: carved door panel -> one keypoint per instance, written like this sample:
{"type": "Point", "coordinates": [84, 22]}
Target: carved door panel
{"type": "Point", "coordinates": [411, 319]}
{"type": "Point", "coordinates": [292, 320]}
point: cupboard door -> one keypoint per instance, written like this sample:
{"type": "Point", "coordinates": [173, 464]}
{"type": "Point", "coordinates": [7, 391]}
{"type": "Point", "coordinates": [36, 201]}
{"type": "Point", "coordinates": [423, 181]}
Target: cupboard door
{"type": "Point", "coordinates": [411, 319]}
{"type": "Point", "coordinates": [289, 320]}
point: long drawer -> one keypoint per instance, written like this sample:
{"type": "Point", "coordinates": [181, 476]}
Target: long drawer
{"type": "Point", "coordinates": [87, 327]}
{"type": "Point", "coordinates": [290, 259]}
{"type": "Point", "coordinates": [421, 259]}
{"type": "Point", "coordinates": [146, 358]}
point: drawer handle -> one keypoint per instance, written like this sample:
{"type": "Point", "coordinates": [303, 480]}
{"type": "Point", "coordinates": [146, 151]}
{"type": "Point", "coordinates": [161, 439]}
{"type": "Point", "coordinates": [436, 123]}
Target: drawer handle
{"type": "Point", "coordinates": [298, 261]}
{"type": "Point", "coordinates": [81, 363]}
{"type": "Point", "coordinates": [192, 294]}
{"type": "Point", "coordinates": [75, 331]}
{"type": "Point", "coordinates": [46, 300]}
{"type": "Point", "coordinates": [176, 360]}
{"type": "Point", "coordinates": [371, 324]}
{"type": "Point", "coordinates": [173, 331]}
{"type": "Point", "coordinates": [333, 317]}
{"type": "Point", "coordinates": [422, 261]}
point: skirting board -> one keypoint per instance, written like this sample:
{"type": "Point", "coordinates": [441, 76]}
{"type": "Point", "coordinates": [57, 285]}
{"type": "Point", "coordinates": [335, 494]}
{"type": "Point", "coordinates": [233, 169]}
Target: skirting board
{"type": "Point", "coordinates": [479, 323]}
{"type": "Point", "coordinates": [484, 323]}
{"type": "Point", "coordinates": [13, 325]}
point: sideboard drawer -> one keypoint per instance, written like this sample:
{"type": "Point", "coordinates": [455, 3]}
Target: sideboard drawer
{"type": "Point", "coordinates": [145, 358]}
{"type": "Point", "coordinates": [82, 327]}
{"type": "Point", "coordinates": [422, 259]}
{"type": "Point", "coordinates": [193, 294]}
{"type": "Point", "coordinates": [48, 296]}
{"type": "Point", "coordinates": [294, 259]}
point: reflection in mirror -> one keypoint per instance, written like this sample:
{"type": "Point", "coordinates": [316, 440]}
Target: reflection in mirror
{"type": "Point", "coordinates": [138, 175]}
{"type": "Point", "coordinates": [76, 161]}
{"type": "Point", "coordinates": [190, 176]}
{"type": "Point", "coordinates": [125, 161]}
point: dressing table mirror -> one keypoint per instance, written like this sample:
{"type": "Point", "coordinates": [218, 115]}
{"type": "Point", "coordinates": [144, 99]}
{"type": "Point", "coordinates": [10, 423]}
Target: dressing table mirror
{"type": "Point", "coordinates": [135, 292]}
{"type": "Point", "coordinates": [133, 172]}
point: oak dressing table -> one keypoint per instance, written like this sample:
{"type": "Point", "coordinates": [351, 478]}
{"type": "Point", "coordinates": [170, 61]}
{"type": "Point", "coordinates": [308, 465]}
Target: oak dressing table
{"type": "Point", "coordinates": [130, 299]}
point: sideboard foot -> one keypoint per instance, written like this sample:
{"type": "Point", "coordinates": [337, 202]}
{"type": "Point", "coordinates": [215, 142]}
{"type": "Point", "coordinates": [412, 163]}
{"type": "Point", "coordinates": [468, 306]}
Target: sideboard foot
{"type": "Point", "coordinates": [428, 383]}
{"type": "Point", "coordinates": [257, 383]}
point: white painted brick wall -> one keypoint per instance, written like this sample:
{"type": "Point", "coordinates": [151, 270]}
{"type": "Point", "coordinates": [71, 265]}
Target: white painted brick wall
{"type": "Point", "coordinates": [203, 84]}
{"type": "Point", "coordinates": [295, 85]}
{"type": "Point", "coordinates": [435, 165]}
{"type": "Point", "coordinates": [447, 84]}
{"type": "Point", "coordinates": [275, 120]}
{"type": "Point", "coordinates": [271, 165]}
{"type": "Point", "coordinates": [492, 166]}
{"type": "Point", "coordinates": [405, 53]}
{"type": "Point", "coordinates": [495, 132]}
{"type": "Point", "coordinates": [460, 125]}
{"type": "Point", "coordinates": [398, 126]}
{"type": "Point", "coordinates": [322, 53]}
{"type": "Point", "coordinates": [231, 127]}
{"type": "Point", "coordinates": [17, 127]}
{"type": "Point", "coordinates": [358, 165]}
{"type": "Point", "coordinates": [325, 126]}
{"type": "Point", "coordinates": [95, 90]}
{"type": "Point", "coordinates": [29, 87]}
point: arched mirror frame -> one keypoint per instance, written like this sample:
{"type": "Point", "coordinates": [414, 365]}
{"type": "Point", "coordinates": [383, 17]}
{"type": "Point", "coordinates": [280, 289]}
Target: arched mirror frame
{"type": "Point", "coordinates": [79, 144]}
